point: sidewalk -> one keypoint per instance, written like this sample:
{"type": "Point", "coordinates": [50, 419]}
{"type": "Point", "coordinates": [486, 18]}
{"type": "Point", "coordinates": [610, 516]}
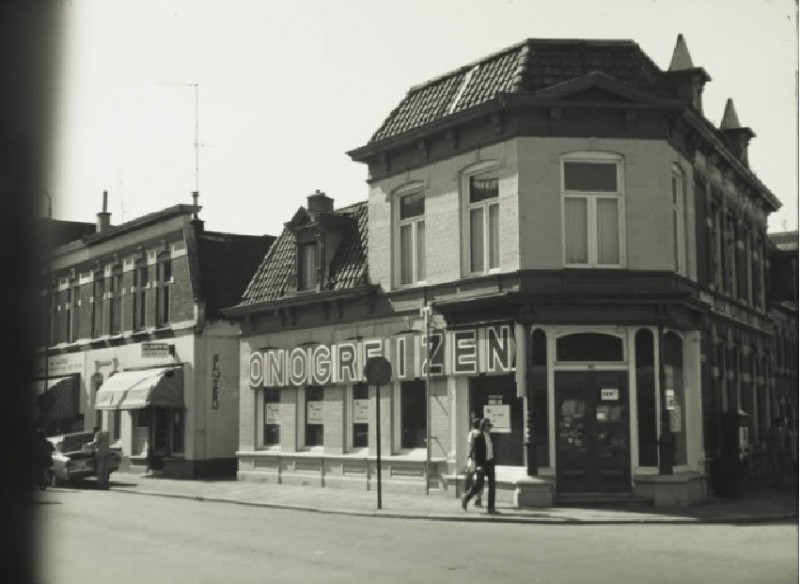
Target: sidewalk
{"type": "Point", "coordinates": [761, 503]}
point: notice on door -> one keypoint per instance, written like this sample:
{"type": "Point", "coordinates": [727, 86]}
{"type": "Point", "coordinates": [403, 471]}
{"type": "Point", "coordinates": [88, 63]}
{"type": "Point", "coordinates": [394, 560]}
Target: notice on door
{"type": "Point", "coordinates": [272, 413]}
{"type": "Point", "coordinates": [500, 417]}
{"type": "Point", "coordinates": [314, 412]}
{"type": "Point", "coordinates": [361, 411]}
{"type": "Point", "coordinates": [609, 394]}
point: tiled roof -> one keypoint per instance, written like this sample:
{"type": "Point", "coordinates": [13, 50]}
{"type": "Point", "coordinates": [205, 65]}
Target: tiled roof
{"type": "Point", "coordinates": [526, 68]}
{"type": "Point", "coordinates": [348, 268]}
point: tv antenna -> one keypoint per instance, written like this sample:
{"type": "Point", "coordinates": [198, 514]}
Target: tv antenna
{"type": "Point", "coordinates": [196, 87]}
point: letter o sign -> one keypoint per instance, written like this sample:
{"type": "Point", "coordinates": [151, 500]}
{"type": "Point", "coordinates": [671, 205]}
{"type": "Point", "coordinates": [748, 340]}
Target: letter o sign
{"type": "Point", "coordinates": [256, 369]}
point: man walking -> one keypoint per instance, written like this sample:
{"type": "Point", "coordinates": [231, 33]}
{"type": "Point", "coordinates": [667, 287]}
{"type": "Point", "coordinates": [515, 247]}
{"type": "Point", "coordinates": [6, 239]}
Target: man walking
{"type": "Point", "coordinates": [484, 466]}
{"type": "Point", "coordinates": [102, 452]}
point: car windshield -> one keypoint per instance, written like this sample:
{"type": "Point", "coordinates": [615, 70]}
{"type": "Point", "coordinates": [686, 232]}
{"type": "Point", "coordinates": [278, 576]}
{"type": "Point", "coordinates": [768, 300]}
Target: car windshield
{"type": "Point", "coordinates": [73, 442]}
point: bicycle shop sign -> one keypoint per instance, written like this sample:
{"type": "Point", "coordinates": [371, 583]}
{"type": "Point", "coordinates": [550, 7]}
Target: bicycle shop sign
{"type": "Point", "coordinates": [487, 349]}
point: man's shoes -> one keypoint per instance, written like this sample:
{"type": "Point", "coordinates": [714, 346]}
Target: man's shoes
{"type": "Point", "coordinates": [492, 511]}
{"type": "Point", "coordinates": [478, 503]}
{"type": "Point", "coordinates": [464, 503]}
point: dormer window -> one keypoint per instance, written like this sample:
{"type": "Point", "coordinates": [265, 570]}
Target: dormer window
{"type": "Point", "coordinates": [307, 266]}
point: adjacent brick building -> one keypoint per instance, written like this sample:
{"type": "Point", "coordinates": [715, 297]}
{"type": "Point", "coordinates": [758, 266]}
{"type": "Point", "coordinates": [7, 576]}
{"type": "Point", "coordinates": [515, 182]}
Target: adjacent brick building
{"type": "Point", "coordinates": [136, 340]}
{"type": "Point", "coordinates": [577, 252]}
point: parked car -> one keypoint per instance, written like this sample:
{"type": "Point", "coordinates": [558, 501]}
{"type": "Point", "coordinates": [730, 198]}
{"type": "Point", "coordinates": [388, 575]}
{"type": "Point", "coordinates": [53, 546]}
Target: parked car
{"type": "Point", "coordinates": [73, 460]}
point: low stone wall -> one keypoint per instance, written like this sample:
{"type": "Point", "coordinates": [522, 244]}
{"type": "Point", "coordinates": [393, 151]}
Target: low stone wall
{"type": "Point", "coordinates": [398, 474]}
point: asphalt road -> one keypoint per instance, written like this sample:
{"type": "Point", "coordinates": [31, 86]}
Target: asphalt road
{"type": "Point", "coordinates": [89, 536]}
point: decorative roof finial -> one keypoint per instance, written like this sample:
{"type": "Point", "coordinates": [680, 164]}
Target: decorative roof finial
{"type": "Point", "coordinates": [730, 121]}
{"type": "Point", "coordinates": [681, 59]}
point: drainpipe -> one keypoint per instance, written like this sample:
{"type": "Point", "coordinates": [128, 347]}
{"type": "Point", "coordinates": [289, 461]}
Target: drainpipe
{"type": "Point", "coordinates": [426, 313]}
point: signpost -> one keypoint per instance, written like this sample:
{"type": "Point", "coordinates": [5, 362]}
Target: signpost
{"type": "Point", "coordinates": [378, 372]}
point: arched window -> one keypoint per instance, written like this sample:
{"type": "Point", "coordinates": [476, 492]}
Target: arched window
{"type": "Point", "coordinates": [594, 347]}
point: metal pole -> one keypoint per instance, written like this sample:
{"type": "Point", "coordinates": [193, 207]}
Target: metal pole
{"type": "Point", "coordinates": [426, 313]}
{"type": "Point", "coordinates": [378, 439]}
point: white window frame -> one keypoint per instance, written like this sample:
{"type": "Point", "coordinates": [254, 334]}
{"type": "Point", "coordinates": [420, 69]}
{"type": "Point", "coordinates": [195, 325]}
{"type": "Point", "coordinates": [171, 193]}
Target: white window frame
{"type": "Point", "coordinates": [591, 198]}
{"type": "Point", "coordinates": [678, 198]}
{"type": "Point", "coordinates": [417, 279]}
{"type": "Point", "coordinates": [487, 167]}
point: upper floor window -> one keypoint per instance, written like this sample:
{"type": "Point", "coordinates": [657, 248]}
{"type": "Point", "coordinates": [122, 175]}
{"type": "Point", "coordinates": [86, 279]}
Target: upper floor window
{"type": "Point", "coordinates": [140, 278]}
{"type": "Point", "coordinates": [115, 300]}
{"type": "Point", "coordinates": [411, 229]}
{"type": "Point", "coordinates": [307, 266]}
{"type": "Point", "coordinates": [163, 279]}
{"type": "Point", "coordinates": [679, 247]}
{"type": "Point", "coordinates": [715, 247]}
{"type": "Point", "coordinates": [592, 189]}
{"type": "Point", "coordinates": [484, 223]}
{"type": "Point", "coordinates": [98, 295]}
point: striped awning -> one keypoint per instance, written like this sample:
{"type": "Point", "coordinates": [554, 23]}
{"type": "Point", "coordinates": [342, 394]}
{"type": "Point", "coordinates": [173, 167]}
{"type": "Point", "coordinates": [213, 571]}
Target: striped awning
{"type": "Point", "coordinates": [57, 399]}
{"type": "Point", "coordinates": [133, 390]}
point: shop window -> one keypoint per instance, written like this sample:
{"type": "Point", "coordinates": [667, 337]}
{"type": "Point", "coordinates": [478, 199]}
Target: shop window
{"type": "Point", "coordinates": [495, 397]}
{"type": "Point", "coordinates": [595, 347]}
{"type": "Point", "coordinates": [314, 426]}
{"type": "Point", "coordinates": [272, 417]}
{"type": "Point", "coordinates": [360, 415]}
{"type": "Point", "coordinates": [413, 414]}
{"type": "Point", "coordinates": [646, 398]}
{"type": "Point", "coordinates": [411, 238]}
{"type": "Point", "coordinates": [116, 423]}
{"type": "Point", "coordinates": [673, 374]}
{"type": "Point", "coordinates": [593, 210]}
{"type": "Point", "coordinates": [541, 419]}
{"type": "Point", "coordinates": [178, 429]}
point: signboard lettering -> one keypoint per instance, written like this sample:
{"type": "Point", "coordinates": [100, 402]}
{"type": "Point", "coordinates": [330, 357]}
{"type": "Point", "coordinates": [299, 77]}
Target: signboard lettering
{"type": "Point", "coordinates": [156, 350]}
{"type": "Point", "coordinates": [216, 373]}
{"type": "Point", "coordinates": [464, 352]}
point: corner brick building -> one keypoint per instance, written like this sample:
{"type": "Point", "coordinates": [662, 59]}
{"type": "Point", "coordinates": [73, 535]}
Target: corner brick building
{"type": "Point", "coordinates": [136, 342]}
{"type": "Point", "coordinates": [554, 237]}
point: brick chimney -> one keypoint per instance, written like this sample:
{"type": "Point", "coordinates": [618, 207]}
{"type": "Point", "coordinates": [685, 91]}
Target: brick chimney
{"type": "Point", "coordinates": [686, 79]}
{"type": "Point", "coordinates": [319, 202]}
{"type": "Point", "coordinates": [737, 137]}
{"type": "Point", "coordinates": [104, 217]}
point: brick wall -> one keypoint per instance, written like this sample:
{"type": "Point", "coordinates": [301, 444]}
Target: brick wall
{"type": "Point", "coordinates": [181, 294]}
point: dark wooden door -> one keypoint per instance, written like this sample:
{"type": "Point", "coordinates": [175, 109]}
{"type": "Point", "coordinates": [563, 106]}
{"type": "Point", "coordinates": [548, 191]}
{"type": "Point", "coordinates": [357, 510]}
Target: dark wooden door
{"type": "Point", "coordinates": [592, 432]}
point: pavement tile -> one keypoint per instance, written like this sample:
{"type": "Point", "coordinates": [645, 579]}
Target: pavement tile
{"type": "Point", "coordinates": [760, 503]}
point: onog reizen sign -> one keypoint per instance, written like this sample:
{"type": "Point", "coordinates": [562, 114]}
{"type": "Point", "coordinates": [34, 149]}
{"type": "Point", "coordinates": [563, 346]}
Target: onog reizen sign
{"type": "Point", "coordinates": [488, 349]}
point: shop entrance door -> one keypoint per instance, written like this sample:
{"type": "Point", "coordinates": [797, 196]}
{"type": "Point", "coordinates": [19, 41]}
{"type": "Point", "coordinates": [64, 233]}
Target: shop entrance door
{"type": "Point", "coordinates": [592, 432]}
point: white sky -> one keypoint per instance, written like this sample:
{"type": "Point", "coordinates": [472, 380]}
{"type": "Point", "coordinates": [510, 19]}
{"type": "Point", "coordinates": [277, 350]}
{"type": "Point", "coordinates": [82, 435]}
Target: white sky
{"type": "Point", "coordinates": [286, 88]}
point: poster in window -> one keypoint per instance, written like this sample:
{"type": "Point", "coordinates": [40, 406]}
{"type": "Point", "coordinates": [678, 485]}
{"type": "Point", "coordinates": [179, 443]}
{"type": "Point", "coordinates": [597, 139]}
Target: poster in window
{"type": "Point", "coordinates": [272, 413]}
{"type": "Point", "coordinates": [314, 412]}
{"type": "Point", "coordinates": [500, 416]}
{"type": "Point", "coordinates": [360, 411]}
